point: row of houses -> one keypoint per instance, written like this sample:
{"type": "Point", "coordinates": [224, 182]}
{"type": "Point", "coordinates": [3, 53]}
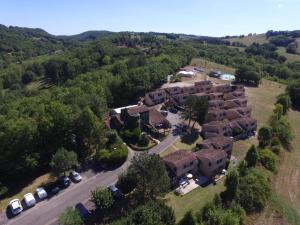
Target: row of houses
{"type": "Point", "coordinates": [177, 95]}
{"type": "Point", "coordinates": [228, 118]}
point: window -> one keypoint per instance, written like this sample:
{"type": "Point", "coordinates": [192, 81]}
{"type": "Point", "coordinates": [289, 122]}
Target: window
{"type": "Point", "coordinates": [209, 164]}
{"type": "Point", "coordinates": [184, 166]}
{"type": "Point", "coordinates": [175, 169]}
{"type": "Point", "coordinates": [219, 161]}
{"type": "Point", "coordinates": [191, 163]}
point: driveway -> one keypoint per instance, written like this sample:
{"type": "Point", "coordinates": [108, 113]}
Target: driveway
{"type": "Point", "coordinates": [46, 212]}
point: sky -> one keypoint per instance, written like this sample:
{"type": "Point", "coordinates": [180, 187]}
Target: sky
{"type": "Point", "coordinates": [200, 17]}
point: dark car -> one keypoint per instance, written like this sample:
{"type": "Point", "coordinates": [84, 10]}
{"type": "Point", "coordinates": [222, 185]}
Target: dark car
{"type": "Point", "coordinates": [117, 194]}
{"type": "Point", "coordinates": [173, 110]}
{"type": "Point", "coordinates": [64, 181]}
{"type": "Point", "coordinates": [83, 211]}
{"type": "Point", "coordinates": [54, 190]}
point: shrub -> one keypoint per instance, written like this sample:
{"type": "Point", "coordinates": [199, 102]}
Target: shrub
{"type": "Point", "coordinates": [114, 156]}
{"type": "Point", "coordinates": [264, 136]}
{"type": "Point", "coordinates": [268, 159]}
{"type": "Point", "coordinates": [253, 191]}
{"type": "Point", "coordinates": [70, 217]}
{"type": "Point", "coordinates": [275, 141]}
{"type": "Point", "coordinates": [126, 182]}
{"type": "Point", "coordinates": [276, 149]}
{"type": "Point", "coordinates": [131, 135]}
{"type": "Point", "coordinates": [143, 140]}
{"type": "Point", "coordinates": [102, 198]}
{"type": "Point", "coordinates": [251, 156]}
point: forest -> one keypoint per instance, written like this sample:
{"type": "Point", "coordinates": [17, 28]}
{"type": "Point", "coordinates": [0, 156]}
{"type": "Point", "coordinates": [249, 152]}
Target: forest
{"type": "Point", "coordinates": [56, 91]}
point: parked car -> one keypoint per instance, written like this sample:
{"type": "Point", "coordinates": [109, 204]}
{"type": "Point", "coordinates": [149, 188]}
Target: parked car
{"type": "Point", "coordinates": [75, 176]}
{"type": "Point", "coordinates": [41, 193]}
{"type": "Point", "coordinates": [164, 112]}
{"type": "Point", "coordinates": [83, 211]}
{"type": "Point", "coordinates": [55, 190]}
{"type": "Point", "coordinates": [29, 199]}
{"type": "Point", "coordinates": [15, 206]}
{"type": "Point", "coordinates": [64, 181]}
{"type": "Point", "coordinates": [173, 110]}
{"type": "Point", "coordinates": [117, 194]}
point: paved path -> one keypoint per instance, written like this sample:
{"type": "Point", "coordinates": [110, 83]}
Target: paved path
{"type": "Point", "coordinates": [46, 212]}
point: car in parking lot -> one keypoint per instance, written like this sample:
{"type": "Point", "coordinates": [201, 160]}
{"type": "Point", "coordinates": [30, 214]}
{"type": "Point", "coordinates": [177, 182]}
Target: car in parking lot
{"type": "Point", "coordinates": [15, 206]}
{"type": "Point", "coordinates": [29, 200]}
{"type": "Point", "coordinates": [41, 193]}
{"type": "Point", "coordinates": [116, 193]}
{"type": "Point", "coordinates": [173, 110]}
{"type": "Point", "coordinates": [75, 177]}
{"type": "Point", "coordinates": [83, 211]}
{"type": "Point", "coordinates": [64, 181]}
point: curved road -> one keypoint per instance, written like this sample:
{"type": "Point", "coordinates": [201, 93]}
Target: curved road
{"type": "Point", "coordinates": [46, 212]}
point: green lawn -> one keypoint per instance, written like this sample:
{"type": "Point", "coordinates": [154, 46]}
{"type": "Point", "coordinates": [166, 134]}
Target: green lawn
{"type": "Point", "coordinates": [248, 40]}
{"type": "Point", "coordinates": [194, 200]}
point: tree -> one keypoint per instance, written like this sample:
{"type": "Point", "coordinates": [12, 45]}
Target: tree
{"type": "Point", "coordinates": [126, 182]}
{"type": "Point", "coordinates": [70, 217]}
{"type": "Point", "coordinates": [251, 156]}
{"type": "Point", "coordinates": [253, 191]}
{"type": "Point", "coordinates": [153, 213]}
{"type": "Point", "coordinates": [294, 92]}
{"type": "Point", "coordinates": [285, 101]}
{"type": "Point", "coordinates": [231, 184]}
{"type": "Point", "coordinates": [151, 176]}
{"type": "Point", "coordinates": [63, 161]}
{"type": "Point", "coordinates": [268, 159]}
{"type": "Point", "coordinates": [247, 74]}
{"type": "Point", "coordinates": [195, 108]}
{"type": "Point", "coordinates": [188, 219]}
{"type": "Point", "coordinates": [265, 136]}
{"type": "Point", "coordinates": [102, 198]}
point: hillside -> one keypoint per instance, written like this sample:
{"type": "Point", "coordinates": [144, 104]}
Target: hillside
{"type": "Point", "coordinates": [17, 44]}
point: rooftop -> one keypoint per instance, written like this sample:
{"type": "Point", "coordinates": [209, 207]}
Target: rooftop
{"type": "Point", "coordinates": [179, 157]}
{"type": "Point", "coordinates": [211, 154]}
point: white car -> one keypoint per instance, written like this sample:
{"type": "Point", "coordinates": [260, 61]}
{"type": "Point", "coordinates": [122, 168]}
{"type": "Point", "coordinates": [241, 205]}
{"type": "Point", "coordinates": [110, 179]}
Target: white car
{"type": "Point", "coordinates": [75, 176]}
{"type": "Point", "coordinates": [15, 206]}
{"type": "Point", "coordinates": [29, 199]}
{"type": "Point", "coordinates": [41, 193]}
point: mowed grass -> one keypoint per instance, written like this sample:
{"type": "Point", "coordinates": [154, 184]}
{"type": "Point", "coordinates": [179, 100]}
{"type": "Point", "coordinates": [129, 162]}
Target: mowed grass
{"type": "Point", "coordinates": [195, 200]}
{"type": "Point", "coordinates": [290, 57]}
{"type": "Point", "coordinates": [209, 65]}
{"type": "Point", "coordinates": [261, 100]}
{"type": "Point", "coordinates": [40, 181]}
{"type": "Point", "coordinates": [248, 40]}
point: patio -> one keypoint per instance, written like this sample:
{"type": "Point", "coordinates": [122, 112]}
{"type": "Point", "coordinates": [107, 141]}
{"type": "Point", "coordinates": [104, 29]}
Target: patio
{"type": "Point", "coordinates": [191, 183]}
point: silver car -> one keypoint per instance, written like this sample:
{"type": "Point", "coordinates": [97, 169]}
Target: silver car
{"type": "Point", "coordinates": [15, 206]}
{"type": "Point", "coordinates": [75, 176]}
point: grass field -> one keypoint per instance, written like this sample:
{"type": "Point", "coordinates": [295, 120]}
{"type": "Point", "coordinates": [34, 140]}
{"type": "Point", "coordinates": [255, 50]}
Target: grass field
{"type": "Point", "coordinates": [290, 57]}
{"type": "Point", "coordinates": [208, 66]}
{"type": "Point", "coordinates": [248, 40]}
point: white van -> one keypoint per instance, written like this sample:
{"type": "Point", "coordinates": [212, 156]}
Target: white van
{"type": "Point", "coordinates": [29, 199]}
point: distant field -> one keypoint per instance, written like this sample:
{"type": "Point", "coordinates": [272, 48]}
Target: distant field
{"type": "Point", "coordinates": [209, 65]}
{"type": "Point", "coordinates": [248, 40]}
{"type": "Point", "coordinates": [290, 57]}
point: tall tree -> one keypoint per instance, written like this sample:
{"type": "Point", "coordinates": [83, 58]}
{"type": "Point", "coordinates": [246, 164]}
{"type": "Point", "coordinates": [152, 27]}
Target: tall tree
{"type": "Point", "coordinates": [152, 180]}
{"type": "Point", "coordinates": [231, 184]}
{"type": "Point", "coordinates": [265, 136]}
{"type": "Point", "coordinates": [285, 101]}
{"type": "Point", "coordinates": [188, 219]}
{"type": "Point", "coordinates": [252, 156]}
{"type": "Point", "coordinates": [63, 161]}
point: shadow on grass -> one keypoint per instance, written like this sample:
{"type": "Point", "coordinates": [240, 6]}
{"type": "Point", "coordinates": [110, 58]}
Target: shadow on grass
{"type": "Point", "coordinates": [189, 138]}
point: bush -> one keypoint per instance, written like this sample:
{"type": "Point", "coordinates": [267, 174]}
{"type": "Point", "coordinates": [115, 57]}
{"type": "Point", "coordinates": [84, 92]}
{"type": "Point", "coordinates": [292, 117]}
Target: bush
{"type": "Point", "coordinates": [276, 149]}
{"type": "Point", "coordinates": [102, 198]}
{"type": "Point", "coordinates": [113, 157]}
{"type": "Point", "coordinates": [253, 191]}
{"type": "Point", "coordinates": [143, 140]}
{"type": "Point", "coordinates": [131, 136]}
{"type": "Point", "coordinates": [275, 141]}
{"type": "Point", "coordinates": [126, 182]}
{"type": "Point", "coordinates": [70, 217]}
{"type": "Point", "coordinates": [268, 159]}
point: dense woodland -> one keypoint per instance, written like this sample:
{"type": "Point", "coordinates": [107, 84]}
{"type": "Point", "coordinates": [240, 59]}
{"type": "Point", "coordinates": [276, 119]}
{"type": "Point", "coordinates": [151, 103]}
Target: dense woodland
{"type": "Point", "coordinates": [56, 91]}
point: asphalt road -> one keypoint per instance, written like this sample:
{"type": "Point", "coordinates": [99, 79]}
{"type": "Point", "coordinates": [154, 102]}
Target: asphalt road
{"type": "Point", "coordinates": [46, 212]}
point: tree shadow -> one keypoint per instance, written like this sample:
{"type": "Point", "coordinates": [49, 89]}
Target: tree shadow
{"type": "Point", "coordinates": [189, 138]}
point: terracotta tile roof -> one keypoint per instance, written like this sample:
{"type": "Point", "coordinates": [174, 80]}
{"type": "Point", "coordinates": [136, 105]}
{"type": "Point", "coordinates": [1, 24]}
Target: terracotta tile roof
{"type": "Point", "coordinates": [211, 154]}
{"type": "Point", "coordinates": [180, 157]}
{"type": "Point", "coordinates": [217, 142]}
{"type": "Point", "coordinates": [155, 117]}
{"type": "Point", "coordinates": [133, 111]}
